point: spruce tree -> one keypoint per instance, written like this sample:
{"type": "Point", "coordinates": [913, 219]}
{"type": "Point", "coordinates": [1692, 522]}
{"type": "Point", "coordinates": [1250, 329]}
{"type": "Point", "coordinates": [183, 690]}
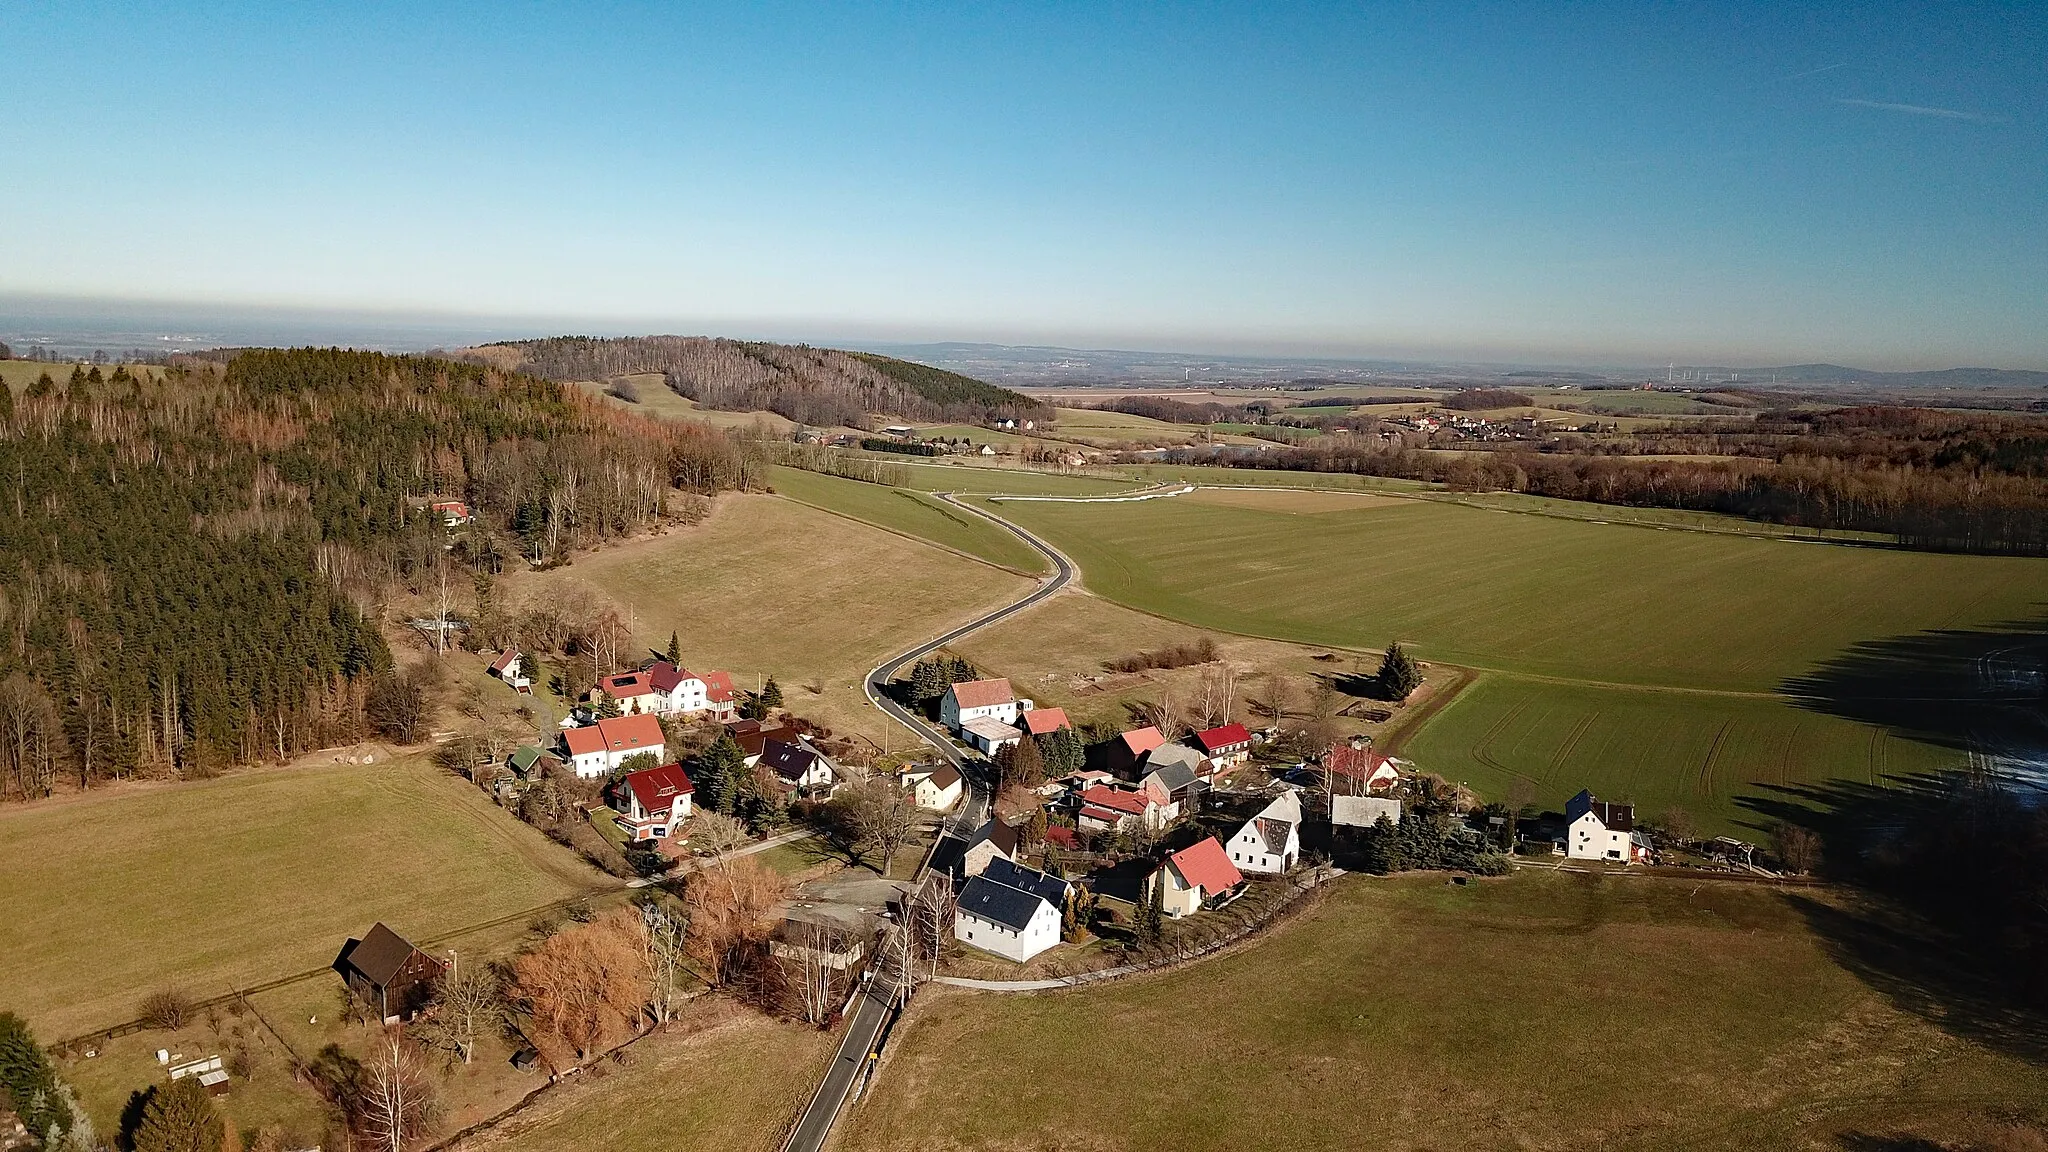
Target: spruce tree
{"type": "Point", "coordinates": [675, 650]}
{"type": "Point", "coordinates": [771, 695]}
{"type": "Point", "coordinates": [180, 1117]}
{"type": "Point", "coordinates": [28, 1078]}
{"type": "Point", "coordinates": [927, 682]}
{"type": "Point", "coordinates": [1399, 677]}
{"type": "Point", "coordinates": [716, 775]}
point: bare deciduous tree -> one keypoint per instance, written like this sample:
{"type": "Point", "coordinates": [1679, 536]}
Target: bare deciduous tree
{"type": "Point", "coordinates": [730, 914]}
{"type": "Point", "coordinates": [467, 1003]}
{"type": "Point", "coordinates": [809, 956]}
{"type": "Point", "coordinates": [588, 985]}
{"type": "Point", "coordinates": [881, 817]}
{"type": "Point", "coordinates": [715, 834]}
{"type": "Point", "coordinates": [666, 939]}
{"type": "Point", "coordinates": [397, 1100]}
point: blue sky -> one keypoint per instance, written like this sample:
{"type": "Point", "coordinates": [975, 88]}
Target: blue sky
{"type": "Point", "coordinates": [1604, 183]}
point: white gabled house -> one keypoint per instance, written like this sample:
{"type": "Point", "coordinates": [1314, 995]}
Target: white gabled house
{"type": "Point", "coordinates": [1270, 842]}
{"type": "Point", "coordinates": [596, 749]}
{"type": "Point", "coordinates": [933, 787]}
{"type": "Point", "coordinates": [1597, 830]}
{"type": "Point", "coordinates": [654, 803]}
{"type": "Point", "coordinates": [1010, 910]}
{"type": "Point", "coordinates": [800, 768]}
{"type": "Point", "coordinates": [972, 700]}
{"type": "Point", "coordinates": [515, 668]}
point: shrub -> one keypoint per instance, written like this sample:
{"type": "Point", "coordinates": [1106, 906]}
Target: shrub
{"type": "Point", "coordinates": [166, 1010]}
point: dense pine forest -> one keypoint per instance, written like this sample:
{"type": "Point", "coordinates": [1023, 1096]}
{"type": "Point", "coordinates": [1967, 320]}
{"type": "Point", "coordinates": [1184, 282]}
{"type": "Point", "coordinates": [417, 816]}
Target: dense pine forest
{"type": "Point", "coordinates": [191, 567]}
{"type": "Point", "coordinates": [817, 386]}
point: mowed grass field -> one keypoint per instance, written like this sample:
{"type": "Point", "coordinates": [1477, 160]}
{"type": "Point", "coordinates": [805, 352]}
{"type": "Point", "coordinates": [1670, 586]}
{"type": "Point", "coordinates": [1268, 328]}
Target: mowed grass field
{"type": "Point", "coordinates": [1528, 594]}
{"type": "Point", "coordinates": [1012, 481]}
{"type": "Point", "coordinates": [1660, 750]}
{"type": "Point", "coordinates": [768, 586]}
{"type": "Point", "coordinates": [736, 1085]}
{"type": "Point", "coordinates": [1543, 1011]}
{"type": "Point", "coordinates": [912, 513]}
{"type": "Point", "coordinates": [111, 895]}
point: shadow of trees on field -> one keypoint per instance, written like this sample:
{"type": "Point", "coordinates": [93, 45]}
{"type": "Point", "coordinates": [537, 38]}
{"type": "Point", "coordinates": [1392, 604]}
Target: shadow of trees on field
{"type": "Point", "coordinates": [1982, 690]}
{"type": "Point", "coordinates": [1944, 909]}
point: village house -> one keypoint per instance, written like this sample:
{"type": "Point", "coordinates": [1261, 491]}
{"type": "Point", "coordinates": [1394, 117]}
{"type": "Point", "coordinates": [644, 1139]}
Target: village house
{"type": "Point", "coordinates": [1124, 753]}
{"type": "Point", "coordinates": [1103, 808]}
{"type": "Point", "coordinates": [962, 858]}
{"type": "Point", "coordinates": [391, 979]}
{"type": "Point", "coordinates": [1045, 721]}
{"type": "Point", "coordinates": [515, 669]}
{"type": "Point", "coordinates": [1194, 877]}
{"type": "Point", "coordinates": [453, 513]}
{"type": "Point", "coordinates": [653, 803]}
{"type": "Point", "coordinates": [1180, 771]}
{"type": "Point", "coordinates": [799, 768]}
{"type": "Point", "coordinates": [1597, 830]}
{"type": "Point", "coordinates": [1010, 910]}
{"type": "Point", "coordinates": [1356, 770]}
{"type": "Point", "coordinates": [685, 692]}
{"type": "Point", "coordinates": [972, 700]}
{"type": "Point", "coordinates": [989, 736]}
{"type": "Point", "coordinates": [933, 787]}
{"type": "Point", "coordinates": [1270, 841]}
{"type": "Point", "coordinates": [1229, 745]}
{"type": "Point", "coordinates": [753, 735]}
{"type": "Point", "coordinates": [631, 691]}
{"type": "Point", "coordinates": [1363, 811]}
{"type": "Point", "coordinates": [595, 749]}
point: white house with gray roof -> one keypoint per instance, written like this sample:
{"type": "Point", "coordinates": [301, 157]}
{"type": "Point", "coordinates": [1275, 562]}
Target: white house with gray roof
{"type": "Point", "coordinates": [1010, 910]}
{"type": "Point", "coordinates": [1270, 842]}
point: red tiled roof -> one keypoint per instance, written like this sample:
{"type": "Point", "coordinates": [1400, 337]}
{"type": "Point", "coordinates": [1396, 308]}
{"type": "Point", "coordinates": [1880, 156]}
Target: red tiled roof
{"type": "Point", "coordinates": [665, 676]}
{"type": "Point", "coordinates": [1106, 815]}
{"type": "Point", "coordinates": [1205, 864]}
{"type": "Point", "coordinates": [657, 788]}
{"type": "Point", "coordinates": [982, 693]}
{"type": "Point", "coordinates": [1139, 741]}
{"type": "Point", "coordinates": [625, 685]}
{"type": "Point", "coordinates": [455, 506]}
{"type": "Point", "coordinates": [504, 660]}
{"type": "Point", "coordinates": [718, 687]}
{"type": "Point", "coordinates": [627, 733]}
{"type": "Point", "coordinates": [1040, 721]}
{"type": "Point", "coordinates": [1133, 803]}
{"type": "Point", "coordinates": [1061, 836]}
{"type": "Point", "coordinates": [1359, 764]}
{"type": "Point", "coordinates": [1228, 736]}
{"type": "Point", "coordinates": [583, 741]}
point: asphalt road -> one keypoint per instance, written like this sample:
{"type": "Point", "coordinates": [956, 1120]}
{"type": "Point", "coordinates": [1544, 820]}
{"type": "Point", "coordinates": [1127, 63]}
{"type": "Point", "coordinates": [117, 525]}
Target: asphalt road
{"type": "Point", "coordinates": [872, 1013]}
{"type": "Point", "coordinates": [973, 811]}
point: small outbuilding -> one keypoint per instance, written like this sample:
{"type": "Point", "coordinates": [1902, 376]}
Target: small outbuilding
{"type": "Point", "coordinates": [387, 974]}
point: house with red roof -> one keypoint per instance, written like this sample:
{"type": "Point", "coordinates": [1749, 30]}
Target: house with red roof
{"type": "Point", "coordinates": [633, 692]}
{"type": "Point", "coordinates": [1194, 877]}
{"type": "Point", "coordinates": [1046, 721]}
{"type": "Point", "coordinates": [1230, 744]}
{"type": "Point", "coordinates": [653, 803]}
{"type": "Point", "coordinates": [595, 749]}
{"type": "Point", "coordinates": [515, 669]}
{"type": "Point", "coordinates": [1103, 808]}
{"type": "Point", "coordinates": [972, 700]}
{"type": "Point", "coordinates": [453, 513]}
{"type": "Point", "coordinates": [1124, 753]}
{"type": "Point", "coordinates": [1356, 770]}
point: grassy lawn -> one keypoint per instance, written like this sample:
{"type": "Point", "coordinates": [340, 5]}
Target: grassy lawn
{"type": "Point", "coordinates": [1540, 1012]}
{"type": "Point", "coordinates": [1011, 481]}
{"type": "Point", "coordinates": [1268, 477]}
{"type": "Point", "coordinates": [911, 513]}
{"type": "Point", "coordinates": [1525, 593]}
{"type": "Point", "coordinates": [111, 895]}
{"type": "Point", "coordinates": [1658, 750]}
{"type": "Point", "coordinates": [735, 1084]}
{"type": "Point", "coordinates": [769, 586]}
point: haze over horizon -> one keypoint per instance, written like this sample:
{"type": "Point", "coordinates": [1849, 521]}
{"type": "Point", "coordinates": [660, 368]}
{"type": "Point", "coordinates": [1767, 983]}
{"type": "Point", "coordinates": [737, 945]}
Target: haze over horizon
{"type": "Point", "coordinates": [1612, 186]}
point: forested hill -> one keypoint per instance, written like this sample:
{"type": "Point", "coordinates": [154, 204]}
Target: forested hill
{"type": "Point", "coordinates": [819, 386]}
{"type": "Point", "coordinates": [191, 565]}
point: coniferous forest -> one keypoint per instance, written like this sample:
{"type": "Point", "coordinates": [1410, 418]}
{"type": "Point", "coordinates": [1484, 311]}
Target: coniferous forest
{"type": "Point", "coordinates": [191, 565]}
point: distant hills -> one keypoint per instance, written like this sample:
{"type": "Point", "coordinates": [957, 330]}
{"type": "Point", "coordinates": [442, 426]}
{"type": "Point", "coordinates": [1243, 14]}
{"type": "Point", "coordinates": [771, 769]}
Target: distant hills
{"type": "Point", "coordinates": [819, 386]}
{"type": "Point", "coordinates": [1972, 379]}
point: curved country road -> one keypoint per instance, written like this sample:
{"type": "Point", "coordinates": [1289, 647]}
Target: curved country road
{"type": "Point", "coordinates": [879, 1001]}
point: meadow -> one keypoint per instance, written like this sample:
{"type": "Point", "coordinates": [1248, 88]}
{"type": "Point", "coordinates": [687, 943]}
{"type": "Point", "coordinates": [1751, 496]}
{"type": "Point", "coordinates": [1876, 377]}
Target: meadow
{"type": "Point", "coordinates": [908, 512]}
{"type": "Point", "coordinates": [209, 885]}
{"type": "Point", "coordinates": [768, 586]}
{"type": "Point", "coordinates": [1535, 595]}
{"type": "Point", "coordinates": [1540, 741]}
{"type": "Point", "coordinates": [932, 477]}
{"type": "Point", "coordinates": [1542, 1011]}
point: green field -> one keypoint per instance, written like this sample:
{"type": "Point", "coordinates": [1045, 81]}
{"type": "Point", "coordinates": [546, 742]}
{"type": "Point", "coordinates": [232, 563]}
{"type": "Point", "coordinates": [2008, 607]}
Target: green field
{"type": "Point", "coordinates": [1268, 478]}
{"type": "Point", "coordinates": [911, 513]}
{"type": "Point", "coordinates": [1660, 750]}
{"type": "Point", "coordinates": [1571, 619]}
{"type": "Point", "coordinates": [203, 886]}
{"type": "Point", "coordinates": [974, 434]}
{"type": "Point", "coordinates": [1013, 481]}
{"type": "Point", "coordinates": [1544, 1011]}
{"type": "Point", "coordinates": [1528, 594]}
